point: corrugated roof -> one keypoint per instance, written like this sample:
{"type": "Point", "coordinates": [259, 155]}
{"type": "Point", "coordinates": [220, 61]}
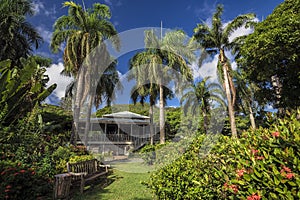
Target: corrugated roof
{"type": "Point", "coordinates": [125, 115]}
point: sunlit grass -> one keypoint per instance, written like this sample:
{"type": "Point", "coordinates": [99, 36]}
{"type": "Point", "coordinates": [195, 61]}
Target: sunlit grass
{"type": "Point", "coordinates": [125, 183]}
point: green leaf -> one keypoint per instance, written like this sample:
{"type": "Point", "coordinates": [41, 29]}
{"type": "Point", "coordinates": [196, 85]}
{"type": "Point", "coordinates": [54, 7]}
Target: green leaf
{"type": "Point", "coordinates": [276, 180]}
{"type": "Point", "coordinates": [273, 195]}
{"type": "Point", "coordinates": [275, 171]}
{"type": "Point", "coordinates": [259, 175]}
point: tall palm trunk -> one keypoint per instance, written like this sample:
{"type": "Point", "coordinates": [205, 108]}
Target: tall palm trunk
{"type": "Point", "coordinates": [205, 120]}
{"type": "Point", "coordinates": [78, 96]}
{"type": "Point", "coordinates": [229, 96]}
{"type": "Point", "coordinates": [88, 120]}
{"type": "Point", "coordinates": [161, 114]}
{"type": "Point", "coordinates": [252, 119]}
{"type": "Point", "coordinates": [151, 119]}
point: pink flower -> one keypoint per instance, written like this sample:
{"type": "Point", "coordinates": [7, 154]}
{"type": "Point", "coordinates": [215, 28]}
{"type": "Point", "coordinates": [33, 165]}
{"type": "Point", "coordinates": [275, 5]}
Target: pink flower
{"type": "Point", "coordinates": [289, 175]}
{"type": "Point", "coordinates": [8, 187]}
{"type": "Point", "coordinates": [234, 188]}
{"type": "Point", "coordinates": [33, 173]}
{"type": "Point", "coordinates": [275, 134]}
{"type": "Point", "coordinates": [240, 172]}
{"type": "Point", "coordinates": [2, 173]}
{"type": "Point", "coordinates": [22, 171]}
{"type": "Point", "coordinates": [286, 169]}
{"type": "Point", "coordinates": [260, 158]}
{"type": "Point", "coordinates": [253, 197]}
{"type": "Point", "coordinates": [254, 151]}
{"type": "Point", "coordinates": [16, 174]}
{"type": "Point", "coordinates": [226, 185]}
{"type": "Point", "coordinates": [7, 190]}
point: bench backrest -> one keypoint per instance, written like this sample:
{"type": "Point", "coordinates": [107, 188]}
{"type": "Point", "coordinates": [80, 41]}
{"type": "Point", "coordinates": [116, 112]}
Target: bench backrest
{"type": "Point", "coordinates": [89, 166]}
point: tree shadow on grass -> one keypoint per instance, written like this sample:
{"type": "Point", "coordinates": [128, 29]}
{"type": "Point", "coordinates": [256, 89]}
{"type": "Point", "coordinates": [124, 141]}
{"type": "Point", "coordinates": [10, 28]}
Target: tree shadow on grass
{"type": "Point", "coordinates": [94, 187]}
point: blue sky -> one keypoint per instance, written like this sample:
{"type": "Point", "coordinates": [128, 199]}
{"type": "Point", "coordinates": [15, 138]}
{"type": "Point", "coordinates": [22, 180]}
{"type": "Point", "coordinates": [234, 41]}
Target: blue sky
{"type": "Point", "coordinates": [132, 14]}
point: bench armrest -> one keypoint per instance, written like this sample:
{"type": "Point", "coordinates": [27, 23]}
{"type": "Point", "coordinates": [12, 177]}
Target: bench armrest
{"type": "Point", "coordinates": [106, 167]}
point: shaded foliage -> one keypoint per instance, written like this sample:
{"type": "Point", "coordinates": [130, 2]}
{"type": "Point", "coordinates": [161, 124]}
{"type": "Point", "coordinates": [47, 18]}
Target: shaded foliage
{"type": "Point", "coordinates": [273, 51]}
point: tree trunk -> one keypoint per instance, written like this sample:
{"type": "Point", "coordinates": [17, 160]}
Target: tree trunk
{"type": "Point", "coordinates": [205, 120]}
{"type": "Point", "coordinates": [278, 90]}
{"type": "Point", "coordinates": [151, 123]}
{"type": "Point", "coordinates": [77, 105]}
{"type": "Point", "coordinates": [161, 114]}
{"type": "Point", "coordinates": [252, 120]}
{"type": "Point", "coordinates": [223, 61]}
{"type": "Point", "coordinates": [88, 120]}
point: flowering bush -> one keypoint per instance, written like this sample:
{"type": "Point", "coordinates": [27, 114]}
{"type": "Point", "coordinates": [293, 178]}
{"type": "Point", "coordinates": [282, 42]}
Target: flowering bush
{"type": "Point", "coordinates": [18, 181]}
{"type": "Point", "coordinates": [261, 164]}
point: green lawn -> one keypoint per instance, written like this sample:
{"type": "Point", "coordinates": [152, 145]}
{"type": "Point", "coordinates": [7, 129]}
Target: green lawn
{"type": "Point", "coordinates": [123, 184]}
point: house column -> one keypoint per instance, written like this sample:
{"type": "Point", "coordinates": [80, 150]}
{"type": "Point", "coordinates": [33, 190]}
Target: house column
{"type": "Point", "coordinates": [130, 132]}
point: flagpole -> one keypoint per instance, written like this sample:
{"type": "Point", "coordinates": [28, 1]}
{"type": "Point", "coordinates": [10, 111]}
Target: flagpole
{"type": "Point", "coordinates": [161, 30]}
{"type": "Point", "coordinates": [83, 5]}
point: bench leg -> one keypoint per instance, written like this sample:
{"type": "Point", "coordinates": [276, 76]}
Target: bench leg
{"type": "Point", "coordinates": [82, 185]}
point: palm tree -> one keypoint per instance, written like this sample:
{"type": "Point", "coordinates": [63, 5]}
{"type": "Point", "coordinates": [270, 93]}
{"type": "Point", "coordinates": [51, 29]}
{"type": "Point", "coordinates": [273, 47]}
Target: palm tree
{"type": "Point", "coordinates": [245, 92]}
{"type": "Point", "coordinates": [214, 40]}
{"type": "Point", "coordinates": [159, 58]}
{"type": "Point", "coordinates": [199, 98]}
{"type": "Point", "coordinates": [141, 93]}
{"type": "Point", "coordinates": [83, 31]}
{"type": "Point", "coordinates": [18, 37]}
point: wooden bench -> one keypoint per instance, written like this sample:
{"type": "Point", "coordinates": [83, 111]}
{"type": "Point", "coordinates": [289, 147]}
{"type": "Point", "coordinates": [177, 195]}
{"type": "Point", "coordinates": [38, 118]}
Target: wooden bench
{"type": "Point", "coordinates": [86, 171]}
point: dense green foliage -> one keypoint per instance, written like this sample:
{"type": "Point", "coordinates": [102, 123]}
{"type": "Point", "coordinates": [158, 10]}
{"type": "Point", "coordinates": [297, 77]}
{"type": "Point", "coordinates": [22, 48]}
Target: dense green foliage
{"type": "Point", "coordinates": [264, 163]}
{"type": "Point", "coordinates": [18, 37]}
{"type": "Point", "coordinates": [273, 51]}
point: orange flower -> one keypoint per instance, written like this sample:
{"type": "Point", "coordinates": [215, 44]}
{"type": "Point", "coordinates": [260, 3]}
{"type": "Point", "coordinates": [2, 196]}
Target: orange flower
{"type": "Point", "coordinates": [275, 134]}
{"type": "Point", "coordinates": [234, 188]}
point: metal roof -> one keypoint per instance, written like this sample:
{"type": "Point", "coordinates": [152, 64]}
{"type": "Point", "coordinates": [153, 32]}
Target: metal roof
{"type": "Point", "coordinates": [126, 115]}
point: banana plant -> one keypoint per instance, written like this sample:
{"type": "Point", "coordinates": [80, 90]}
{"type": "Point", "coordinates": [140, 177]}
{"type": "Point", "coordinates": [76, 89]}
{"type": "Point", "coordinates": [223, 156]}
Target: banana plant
{"type": "Point", "coordinates": [22, 88]}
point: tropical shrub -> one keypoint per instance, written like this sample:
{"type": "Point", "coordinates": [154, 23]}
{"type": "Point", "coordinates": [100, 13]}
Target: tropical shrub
{"type": "Point", "coordinates": [19, 181]}
{"type": "Point", "coordinates": [261, 164]}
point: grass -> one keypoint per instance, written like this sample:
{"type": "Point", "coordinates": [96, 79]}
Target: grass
{"type": "Point", "coordinates": [125, 183]}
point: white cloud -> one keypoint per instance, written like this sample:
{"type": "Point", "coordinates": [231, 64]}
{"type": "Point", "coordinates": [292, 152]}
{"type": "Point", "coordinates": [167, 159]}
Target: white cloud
{"type": "Point", "coordinates": [208, 68]}
{"type": "Point", "coordinates": [38, 7]}
{"type": "Point", "coordinates": [55, 77]}
{"type": "Point", "coordinates": [108, 2]}
{"type": "Point", "coordinates": [46, 35]}
{"type": "Point", "coordinates": [119, 3]}
{"type": "Point", "coordinates": [241, 31]}
{"type": "Point", "coordinates": [116, 23]}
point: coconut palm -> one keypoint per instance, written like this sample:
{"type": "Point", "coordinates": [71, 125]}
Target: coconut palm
{"type": "Point", "coordinates": [154, 65]}
{"type": "Point", "coordinates": [18, 37]}
{"type": "Point", "coordinates": [199, 98]}
{"type": "Point", "coordinates": [83, 31]}
{"type": "Point", "coordinates": [215, 39]}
